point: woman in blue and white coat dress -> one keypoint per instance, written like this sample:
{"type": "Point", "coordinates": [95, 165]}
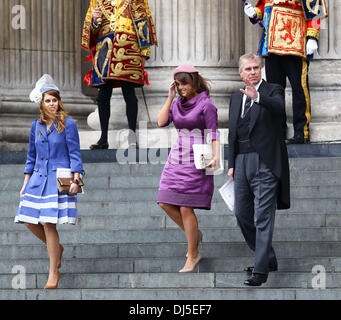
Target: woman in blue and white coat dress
{"type": "Point", "coordinates": [53, 143]}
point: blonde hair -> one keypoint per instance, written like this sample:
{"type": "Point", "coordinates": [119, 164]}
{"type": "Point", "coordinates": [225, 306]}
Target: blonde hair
{"type": "Point", "coordinates": [46, 115]}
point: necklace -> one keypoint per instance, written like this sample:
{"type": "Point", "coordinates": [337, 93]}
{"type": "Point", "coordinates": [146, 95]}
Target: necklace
{"type": "Point", "coordinates": [112, 18]}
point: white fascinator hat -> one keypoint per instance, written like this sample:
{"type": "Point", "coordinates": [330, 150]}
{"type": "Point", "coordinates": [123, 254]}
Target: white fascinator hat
{"type": "Point", "coordinates": [44, 84]}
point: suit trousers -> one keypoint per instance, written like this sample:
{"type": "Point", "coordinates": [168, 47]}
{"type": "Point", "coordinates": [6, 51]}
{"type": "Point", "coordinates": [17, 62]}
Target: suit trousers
{"type": "Point", "coordinates": [256, 191]}
{"type": "Point", "coordinates": [103, 101]}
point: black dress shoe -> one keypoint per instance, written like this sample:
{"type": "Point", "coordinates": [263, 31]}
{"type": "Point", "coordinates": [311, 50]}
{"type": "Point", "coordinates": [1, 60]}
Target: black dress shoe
{"type": "Point", "coordinates": [256, 280]}
{"type": "Point", "coordinates": [250, 269]}
{"type": "Point", "coordinates": [297, 140]}
{"type": "Point", "coordinates": [99, 146]}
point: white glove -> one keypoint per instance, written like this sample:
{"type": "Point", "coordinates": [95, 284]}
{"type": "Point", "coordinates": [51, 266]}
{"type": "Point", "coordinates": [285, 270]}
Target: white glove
{"type": "Point", "coordinates": [249, 10]}
{"type": "Point", "coordinates": [311, 46]}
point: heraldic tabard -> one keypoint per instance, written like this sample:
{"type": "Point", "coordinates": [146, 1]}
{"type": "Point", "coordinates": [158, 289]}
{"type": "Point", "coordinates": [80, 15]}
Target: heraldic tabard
{"type": "Point", "coordinates": [288, 24]}
{"type": "Point", "coordinates": [118, 44]}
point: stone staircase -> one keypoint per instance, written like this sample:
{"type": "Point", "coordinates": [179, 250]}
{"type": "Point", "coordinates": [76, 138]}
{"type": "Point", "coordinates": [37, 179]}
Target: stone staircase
{"type": "Point", "coordinates": [124, 247]}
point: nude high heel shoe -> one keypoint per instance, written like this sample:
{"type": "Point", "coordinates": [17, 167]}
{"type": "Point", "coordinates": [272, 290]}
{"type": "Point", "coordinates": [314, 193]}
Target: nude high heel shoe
{"type": "Point", "coordinates": [195, 265]}
{"type": "Point", "coordinates": [199, 241]}
{"type": "Point", "coordinates": [53, 286]}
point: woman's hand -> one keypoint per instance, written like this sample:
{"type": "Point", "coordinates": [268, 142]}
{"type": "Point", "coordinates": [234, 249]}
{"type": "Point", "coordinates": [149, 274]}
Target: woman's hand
{"type": "Point", "coordinates": [27, 177]}
{"type": "Point", "coordinates": [172, 91]}
{"type": "Point", "coordinates": [212, 164]}
{"type": "Point", "coordinates": [73, 188]}
{"type": "Point", "coordinates": [22, 190]}
{"type": "Point", "coordinates": [230, 173]}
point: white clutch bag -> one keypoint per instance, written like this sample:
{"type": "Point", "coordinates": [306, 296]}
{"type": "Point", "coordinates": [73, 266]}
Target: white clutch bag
{"type": "Point", "coordinates": [203, 154]}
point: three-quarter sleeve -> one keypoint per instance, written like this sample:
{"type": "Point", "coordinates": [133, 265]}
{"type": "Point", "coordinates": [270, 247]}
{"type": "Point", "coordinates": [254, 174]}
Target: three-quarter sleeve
{"type": "Point", "coordinates": [72, 143]}
{"type": "Point", "coordinates": [211, 120]}
{"type": "Point", "coordinates": [31, 154]}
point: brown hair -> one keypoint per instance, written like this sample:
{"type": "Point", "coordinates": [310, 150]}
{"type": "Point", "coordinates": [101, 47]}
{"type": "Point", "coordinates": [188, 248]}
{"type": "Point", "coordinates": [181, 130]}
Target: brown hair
{"type": "Point", "coordinates": [198, 83]}
{"type": "Point", "coordinates": [46, 115]}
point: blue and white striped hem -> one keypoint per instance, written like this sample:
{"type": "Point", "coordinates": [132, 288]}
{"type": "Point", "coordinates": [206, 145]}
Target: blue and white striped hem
{"type": "Point", "coordinates": [48, 205]}
{"type": "Point", "coordinates": [54, 208]}
{"type": "Point", "coordinates": [20, 218]}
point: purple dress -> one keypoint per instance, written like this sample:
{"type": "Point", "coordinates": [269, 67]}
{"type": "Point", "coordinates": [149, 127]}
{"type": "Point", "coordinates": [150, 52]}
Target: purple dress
{"type": "Point", "coordinates": [181, 183]}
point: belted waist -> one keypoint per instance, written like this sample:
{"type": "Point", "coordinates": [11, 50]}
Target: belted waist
{"type": "Point", "coordinates": [245, 146]}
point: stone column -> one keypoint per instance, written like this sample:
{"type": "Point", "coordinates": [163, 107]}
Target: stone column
{"type": "Point", "coordinates": [37, 37]}
{"type": "Point", "coordinates": [207, 34]}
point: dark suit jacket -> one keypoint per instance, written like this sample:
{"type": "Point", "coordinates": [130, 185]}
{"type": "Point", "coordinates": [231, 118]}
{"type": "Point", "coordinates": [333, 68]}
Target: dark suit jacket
{"type": "Point", "coordinates": [266, 134]}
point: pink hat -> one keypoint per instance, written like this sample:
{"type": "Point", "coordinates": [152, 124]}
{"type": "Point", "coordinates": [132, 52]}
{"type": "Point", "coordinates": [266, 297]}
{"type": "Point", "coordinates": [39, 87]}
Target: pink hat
{"type": "Point", "coordinates": [186, 67]}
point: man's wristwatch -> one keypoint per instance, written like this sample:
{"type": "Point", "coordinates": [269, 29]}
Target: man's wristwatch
{"type": "Point", "coordinates": [75, 181]}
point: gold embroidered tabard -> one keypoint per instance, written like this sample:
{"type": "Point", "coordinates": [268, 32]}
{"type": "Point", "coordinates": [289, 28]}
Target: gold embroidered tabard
{"type": "Point", "coordinates": [287, 32]}
{"type": "Point", "coordinates": [117, 54]}
{"type": "Point", "coordinates": [283, 2]}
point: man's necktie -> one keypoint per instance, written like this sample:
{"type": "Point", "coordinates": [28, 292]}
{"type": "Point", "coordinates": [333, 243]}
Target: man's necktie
{"type": "Point", "coordinates": [247, 106]}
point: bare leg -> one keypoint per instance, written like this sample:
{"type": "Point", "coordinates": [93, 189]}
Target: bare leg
{"type": "Point", "coordinates": [53, 248]}
{"type": "Point", "coordinates": [39, 232]}
{"type": "Point", "coordinates": [174, 213]}
{"type": "Point", "coordinates": [191, 229]}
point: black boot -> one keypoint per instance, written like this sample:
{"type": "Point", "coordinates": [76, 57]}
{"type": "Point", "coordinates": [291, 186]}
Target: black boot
{"type": "Point", "coordinates": [297, 139]}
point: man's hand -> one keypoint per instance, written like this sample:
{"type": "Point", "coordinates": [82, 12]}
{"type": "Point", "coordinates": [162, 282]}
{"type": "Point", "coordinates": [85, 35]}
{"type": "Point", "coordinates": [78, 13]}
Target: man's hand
{"type": "Point", "coordinates": [230, 173]}
{"type": "Point", "coordinates": [249, 10]}
{"type": "Point", "coordinates": [97, 14]}
{"type": "Point", "coordinates": [312, 46]}
{"type": "Point", "coordinates": [250, 90]}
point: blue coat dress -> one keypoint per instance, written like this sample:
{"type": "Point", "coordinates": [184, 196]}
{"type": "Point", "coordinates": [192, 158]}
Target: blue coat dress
{"type": "Point", "coordinates": [41, 202]}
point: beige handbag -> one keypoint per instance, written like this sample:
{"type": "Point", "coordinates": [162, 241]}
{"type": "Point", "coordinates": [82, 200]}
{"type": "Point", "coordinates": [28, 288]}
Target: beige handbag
{"type": "Point", "coordinates": [65, 183]}
{"type": "Point", "coordinates": [65, 179]}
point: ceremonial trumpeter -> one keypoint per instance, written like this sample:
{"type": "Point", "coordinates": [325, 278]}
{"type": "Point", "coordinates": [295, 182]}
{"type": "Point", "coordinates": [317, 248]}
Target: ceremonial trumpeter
{"type": "Point", "coordinates": [289, 40]}
{"type": "Point", "coordinates": [119, 34]}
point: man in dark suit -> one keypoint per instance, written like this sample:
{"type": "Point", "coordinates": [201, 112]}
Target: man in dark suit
{"type": "Point", "coordinates": [258, 163]}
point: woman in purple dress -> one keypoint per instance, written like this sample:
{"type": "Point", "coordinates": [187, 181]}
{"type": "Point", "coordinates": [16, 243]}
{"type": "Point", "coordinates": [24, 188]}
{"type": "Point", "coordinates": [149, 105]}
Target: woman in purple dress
{"type": "Point", "coordinates": [182, 186]}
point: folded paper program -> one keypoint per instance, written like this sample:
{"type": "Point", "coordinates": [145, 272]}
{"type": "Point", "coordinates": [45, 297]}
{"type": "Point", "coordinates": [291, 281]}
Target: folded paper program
{"type": "Point", "coordinates": [227, 193]}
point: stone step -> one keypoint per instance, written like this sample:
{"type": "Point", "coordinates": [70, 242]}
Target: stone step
{"type": "Point", "coordinates": [206, 294]}
{"type": "Point", "coordinates": [161, 221]}
{"type": "Point", "coordinates": [139, 194]}
{"type": "Point", "coordinates": [137, 251]}
{"type": "Point", "coordinates": [99, 236]}
{"type": "Point", "coordinates": [302, 165]}
{"type": "Point", "coordinates": [298, 179]}
{"type": "Point", "coordinates": [177, 280]}
{"type": "Point", "coordinates": [151, 208]}
{"type": "Point", "coordinates": [169, 264]}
